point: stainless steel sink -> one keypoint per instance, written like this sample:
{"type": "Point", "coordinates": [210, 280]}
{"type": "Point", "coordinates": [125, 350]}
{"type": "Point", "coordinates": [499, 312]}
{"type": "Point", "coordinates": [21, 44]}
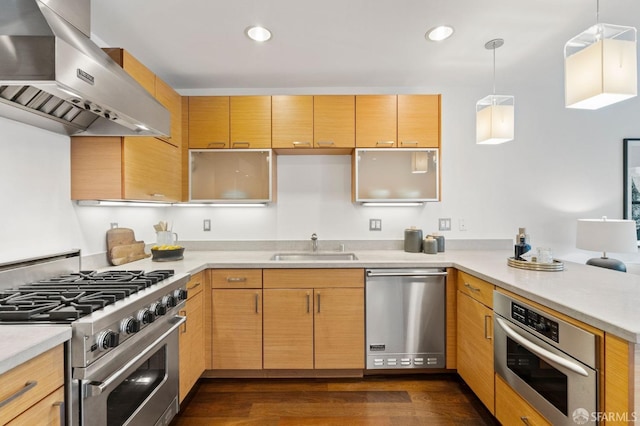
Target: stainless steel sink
{"type": "Point", "coordinates": [314, 256]}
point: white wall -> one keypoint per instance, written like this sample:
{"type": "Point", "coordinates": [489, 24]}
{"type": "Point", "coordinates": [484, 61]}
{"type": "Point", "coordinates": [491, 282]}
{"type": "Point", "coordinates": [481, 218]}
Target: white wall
{"type": "Point", "coordinates": [562, 165]}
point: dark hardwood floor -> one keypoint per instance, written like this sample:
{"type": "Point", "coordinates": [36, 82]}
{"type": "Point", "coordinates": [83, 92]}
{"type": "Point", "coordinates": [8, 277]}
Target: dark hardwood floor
{"type": "Point", "coordinates": [440, 399]}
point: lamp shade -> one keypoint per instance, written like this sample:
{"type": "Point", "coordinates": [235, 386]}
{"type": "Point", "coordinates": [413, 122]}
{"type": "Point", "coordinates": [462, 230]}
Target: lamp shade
{"type": "Point", "coordinates": [495, 119]}
{"type": "Point", "coordinates": [600, 67]}
{"type": "Point", "coordinates": [607, 235]}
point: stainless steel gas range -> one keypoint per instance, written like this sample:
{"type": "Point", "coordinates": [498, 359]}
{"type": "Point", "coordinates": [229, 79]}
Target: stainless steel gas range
{"type": "Point", "coordinates": [122, 360]}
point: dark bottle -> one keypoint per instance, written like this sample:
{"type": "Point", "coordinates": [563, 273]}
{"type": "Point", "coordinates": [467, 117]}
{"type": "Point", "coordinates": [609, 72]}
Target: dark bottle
{"type": "Point", "coordinates": [521, 248]}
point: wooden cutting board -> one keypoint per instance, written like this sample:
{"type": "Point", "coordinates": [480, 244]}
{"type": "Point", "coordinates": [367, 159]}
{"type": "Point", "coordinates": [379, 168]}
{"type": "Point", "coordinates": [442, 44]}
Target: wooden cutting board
{"type": "Point", "coordinates": [122, 246]}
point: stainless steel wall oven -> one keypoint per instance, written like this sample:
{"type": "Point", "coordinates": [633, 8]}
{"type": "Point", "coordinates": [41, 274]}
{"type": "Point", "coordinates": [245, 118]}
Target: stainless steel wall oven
{"type": "Point", "coordinates": [551, 363]}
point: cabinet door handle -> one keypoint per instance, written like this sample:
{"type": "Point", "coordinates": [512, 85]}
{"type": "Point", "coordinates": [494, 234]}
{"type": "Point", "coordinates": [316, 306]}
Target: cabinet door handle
{"type": "Point", "coordinates": [61, 406]}
{"type": "Point", "coordinates": [298, 143]}
{"type": "Point", "coordinates": [195, 285]}
{"type": "Point", "coordinates": [525, 420]}
{"type": "Point", "coordinates": [216, 145]}
{"type": "Point", "coordinates": [414, 143]}
{"type": "Point", "coordinates": [318, 302]}
{"type": "Point", "coordinates": [184, 314]}
{"type": "Point", "coordinates": [236, 279]}
{"type": "Point", "coordinates": [27, 387]}
{"type": "Point", "coordinates": [244, 144]}
{"type": "Point", "coordinates": [157, 195]}
{"type": "Point", "coordinates": [308, 303]}
{"type": "Point", "coordinates": [487, 327]}
{"type": "Point", "coordinates": [257, 303]}
{"type": "Point", "coordinates": [326, 143]}
{"type": "Point", "coordinates": [472, 288]}
{"type": "Point", "coordinates": [385, 143]}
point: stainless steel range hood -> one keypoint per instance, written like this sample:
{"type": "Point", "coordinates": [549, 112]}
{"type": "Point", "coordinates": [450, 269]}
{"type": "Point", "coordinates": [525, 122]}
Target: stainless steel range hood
{"type": "Point", "coordinates": [54, 77]}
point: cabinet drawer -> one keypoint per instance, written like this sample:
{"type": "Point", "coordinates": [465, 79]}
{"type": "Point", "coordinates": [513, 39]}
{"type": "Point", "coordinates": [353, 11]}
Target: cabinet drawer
{"type": "Point", "coordinates": [236, 278]}
{"type": "Point", "coordinates": [478, 289]}
{"type": "Point", "coordinates": [32, 381]}
{"type": "Point", "coordinates": [46, 412]}
{"type": "Point", "coordinates": [313, 278]}
{"type": "Point", "coordinates": [195, 284]}
{"type": "Point", "coordinates": [511, 409]}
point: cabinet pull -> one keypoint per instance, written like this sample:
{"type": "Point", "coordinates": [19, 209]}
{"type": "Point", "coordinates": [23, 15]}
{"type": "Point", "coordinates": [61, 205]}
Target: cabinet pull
{"type": "Point", "coordinates": [184, 314]}
{"type": "Point", "coordinates": [27, 386]}
{"type": "Point", "coordinates": [308, 303]}
{"type": "Point", "coordinates": [236, 279]}
{"type": "Point", "coordinates": [195, 285]}
{"type": "Point", "coordinates": [244, 144]}
{"type": "Point", "coordinates": [326, 143]}
{"type": "Point", "coordinates": [385, 143]}
{"type": "Point", "coordinates": [318, 302]}
{"type": "Point", "coordinates": [414, 143]}
{"type": "Point", "coordinates": [257, 303]}
{"type": "Point", "coordinates": [472, 288]}
{"type": "Point", "coordinates": [60, 405]}
{"type": "Point", "coordinates": [216, 145]}
{"type": "Point", "coordinates": [487, 327]}
{"type": "Point", "coordinates": [297, 144]}
{"type": "Point", "coordinates": [525, 420]}
{"type": "Point", "coordinates": [157, 195]}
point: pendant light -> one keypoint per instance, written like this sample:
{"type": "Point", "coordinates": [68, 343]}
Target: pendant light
{"type": "Point", "coordinates": [495, 113]}
{"type": "Point", "coordinates": [600, 66]}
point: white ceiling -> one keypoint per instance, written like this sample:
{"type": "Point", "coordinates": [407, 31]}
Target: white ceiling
{"type": "Point", "coordinates": [200, 44]}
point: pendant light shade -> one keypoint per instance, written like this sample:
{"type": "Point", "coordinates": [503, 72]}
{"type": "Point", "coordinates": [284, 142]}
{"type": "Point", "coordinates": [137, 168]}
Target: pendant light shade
{"type": "Point", "coordinates": [600, 66]}
{"type": "Point", "coordinates": [495, 114]}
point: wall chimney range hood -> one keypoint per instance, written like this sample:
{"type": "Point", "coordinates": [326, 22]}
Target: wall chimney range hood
{"type": "Point", "coordinates": [54, 77]}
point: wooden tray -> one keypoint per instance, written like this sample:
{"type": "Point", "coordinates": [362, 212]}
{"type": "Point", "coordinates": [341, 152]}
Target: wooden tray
{"type": "Point", "coordinates": [535, 266]}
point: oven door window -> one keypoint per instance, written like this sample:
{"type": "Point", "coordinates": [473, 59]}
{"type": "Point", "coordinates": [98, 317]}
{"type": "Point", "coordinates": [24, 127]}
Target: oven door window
{"type": "Point", "coordinates": [129, 395]}
{"type": "Point", "coordinates": [544, 378]}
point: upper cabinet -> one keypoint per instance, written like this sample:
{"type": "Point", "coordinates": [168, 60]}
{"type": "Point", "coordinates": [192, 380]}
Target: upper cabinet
{"type": "Point", "coordinates": [376, 117]}
{"type": "Point", "coordinates": [208, 122]}
{"type": "Point", "coordinates": [402, 121]}
{"type": "Point", "coordinates": [292, 121]}
{"type": "Point", "coordinates": [334, 121]}
{"type": "Point", "coordinates": [250, 121]}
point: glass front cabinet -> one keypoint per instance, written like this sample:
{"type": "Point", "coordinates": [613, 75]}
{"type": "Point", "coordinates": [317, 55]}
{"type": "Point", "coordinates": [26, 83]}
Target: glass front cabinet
{"type": "Point", "coordinates": [397, 175]}
{"type": "Point", "coordinates": [231, 176]}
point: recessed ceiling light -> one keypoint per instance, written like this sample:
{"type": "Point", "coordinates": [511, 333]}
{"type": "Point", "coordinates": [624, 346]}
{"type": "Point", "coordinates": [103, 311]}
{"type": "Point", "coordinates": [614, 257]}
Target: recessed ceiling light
{"type": "Point", "coordinates": [258, 33]}
{"type": "Point", "coordinates": [439, 33]}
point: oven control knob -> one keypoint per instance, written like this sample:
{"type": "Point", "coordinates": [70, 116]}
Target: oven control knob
{"type": "Point", "coordinates": [107, 339]}
{"type": "Point", "coordinates": [130, 325]}
{"type": "Point", "coordinates": [180, 294]}
{"type": "Point", "coordinates": [169, 301]}
{"type": "Point", "coordinates": [145, 316]}
{"type": "Point", "coordinates": [159, 309]}
{"type": "Point", "coordinates": [541, 327]}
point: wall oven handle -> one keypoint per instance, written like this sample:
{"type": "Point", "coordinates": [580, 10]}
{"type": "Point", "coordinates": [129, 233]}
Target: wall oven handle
{"type": "Point", "coordinates": [96, 388]}
{"type": "Point", "coordinates": [406, 274]}
{"type": "Point", "coordinates": [541, 352]}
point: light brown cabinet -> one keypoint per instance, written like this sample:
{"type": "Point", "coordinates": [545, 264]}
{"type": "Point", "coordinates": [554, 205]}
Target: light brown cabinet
{"type": "Point", "coordinates": [208, 122]}
{"type": "Point", "coordinates": [512, 409]}
{"type": "Point", "coordinates": [376, 121]}
{"type": "Point", "coordinates": [236, 319]}
{"type": "Point", "coordinates": [37, 388]}
{"type": "Point", "coordinates": [250, 121]}
{"type": "Point", "coordinates": [292, 121]}
{"type": "Point", "coordinates": [475, 337]}
{"type": "Point", "coordinates": [313, 319]}
{"type": "Point", "coordinates": [191, 336]}
{"type": "Point", "coordinates": [418, 121]}
{"type": "Point", "coordinates": [334, 121]}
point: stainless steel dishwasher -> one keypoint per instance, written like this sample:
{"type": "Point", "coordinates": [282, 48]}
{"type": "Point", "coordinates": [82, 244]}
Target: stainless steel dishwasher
{"type": "Point", "coordinates": [405, 318]}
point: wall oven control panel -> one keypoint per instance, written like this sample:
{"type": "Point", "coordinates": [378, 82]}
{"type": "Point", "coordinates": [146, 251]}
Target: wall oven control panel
{"type": "Point", "coordinates": [535, 321]}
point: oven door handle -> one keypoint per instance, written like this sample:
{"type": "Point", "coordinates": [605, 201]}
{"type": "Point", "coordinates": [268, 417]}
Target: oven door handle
{"type": "Point", "coordinates": [96, 388]}
{"type": "Point", "coordinates": [541, 352]}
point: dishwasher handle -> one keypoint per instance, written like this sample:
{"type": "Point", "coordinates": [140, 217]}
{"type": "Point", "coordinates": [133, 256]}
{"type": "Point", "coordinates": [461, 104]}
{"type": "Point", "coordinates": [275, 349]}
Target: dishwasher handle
{"type": "Point", "coordinates": [406, 274]}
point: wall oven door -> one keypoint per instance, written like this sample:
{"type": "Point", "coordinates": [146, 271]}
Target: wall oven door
{"type": "Point", "coordinates": [138, 385]}
{"type": "Point", "coordinates": [560, 386]}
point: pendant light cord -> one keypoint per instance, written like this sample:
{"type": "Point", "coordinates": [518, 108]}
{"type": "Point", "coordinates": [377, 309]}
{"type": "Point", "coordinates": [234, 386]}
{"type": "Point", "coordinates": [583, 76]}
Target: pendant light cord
{"type": "Point", "coordinates": [597, 11]}
{"type": "Point", "coordinates": [494, 71]}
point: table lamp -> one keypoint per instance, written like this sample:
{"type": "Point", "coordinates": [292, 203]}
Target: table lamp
{"type": "Point", "coordinates": [607, 235]}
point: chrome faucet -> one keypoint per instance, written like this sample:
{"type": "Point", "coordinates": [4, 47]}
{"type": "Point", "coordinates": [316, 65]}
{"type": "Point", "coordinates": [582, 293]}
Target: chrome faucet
{"type": "Point", "coordinates": [314, 242]}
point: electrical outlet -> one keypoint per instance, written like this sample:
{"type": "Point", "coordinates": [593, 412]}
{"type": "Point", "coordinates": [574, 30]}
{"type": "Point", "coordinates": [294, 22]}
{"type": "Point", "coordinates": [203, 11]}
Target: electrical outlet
{"type": "Point", "coordinates": [206, 225]}
{"type": "Point", "coordinates": [462, 225]}
{"type": "Point", "coordinates": [444, 224]}
{"type": "Point", "coordinates": [114, 225]}
{"type": "Point", "coordinates": [375, 224]}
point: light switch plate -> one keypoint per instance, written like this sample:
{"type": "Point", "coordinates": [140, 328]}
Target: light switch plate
{"type": "Point", "coordinates": [375, 224]}
{"type": "Point", "coordinates": [206, 225]}
{"type": "Point", "coordinates": [444, 224]}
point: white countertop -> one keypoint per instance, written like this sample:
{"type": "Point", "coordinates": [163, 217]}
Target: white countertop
{"type": "Point", "coordinates": [24, 342]}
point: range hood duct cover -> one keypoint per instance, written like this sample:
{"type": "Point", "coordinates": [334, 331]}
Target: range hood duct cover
{"type": "Point", "coordinates": [54, 77]}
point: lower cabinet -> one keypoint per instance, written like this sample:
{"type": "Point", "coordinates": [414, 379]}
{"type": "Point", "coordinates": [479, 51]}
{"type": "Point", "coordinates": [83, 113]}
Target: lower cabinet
{"type": "Point", "coordinates": [33, 392]}
{"type": "Point", "coordinates": [511, 409]}
{"type": "Point", "coordinates": [192, 350]}
{"type": "Point", "coordinates": [475, 339]}
{"type": "Point", "coordinates": [313, 319]}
